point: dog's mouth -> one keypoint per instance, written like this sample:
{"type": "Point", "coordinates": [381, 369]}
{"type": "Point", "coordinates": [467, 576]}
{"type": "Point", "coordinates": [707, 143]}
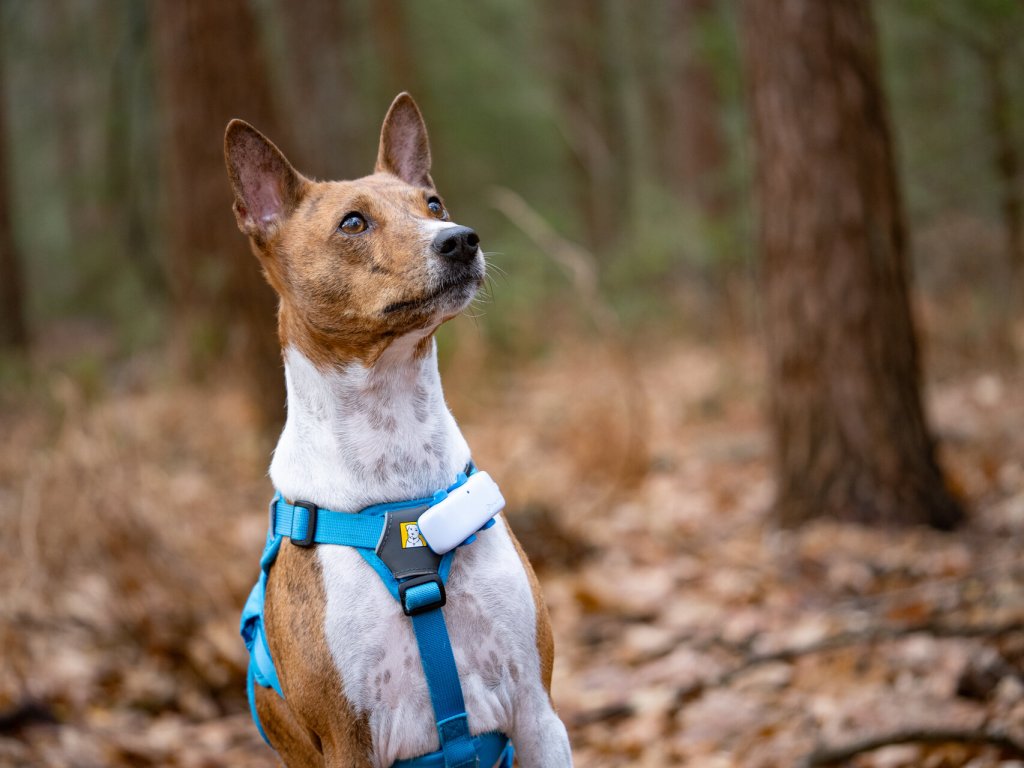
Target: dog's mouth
{"type": "Point", "coordinates": [453, 291]}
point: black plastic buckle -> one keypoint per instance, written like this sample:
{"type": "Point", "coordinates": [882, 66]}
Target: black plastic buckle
{"type": "Point", "coordinates": [404, 587]}
{"type": "Point", "coordinates": [310, 537]}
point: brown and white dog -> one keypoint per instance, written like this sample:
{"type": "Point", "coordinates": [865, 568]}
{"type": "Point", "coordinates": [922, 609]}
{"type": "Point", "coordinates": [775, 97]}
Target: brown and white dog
{"type": "Point", "coordinates": [366, 271]}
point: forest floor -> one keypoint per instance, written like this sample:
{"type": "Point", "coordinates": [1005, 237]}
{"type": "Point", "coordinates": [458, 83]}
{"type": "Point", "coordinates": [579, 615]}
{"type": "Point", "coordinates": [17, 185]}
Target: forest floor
{"type": "Point", "coordinates": [689, 630]}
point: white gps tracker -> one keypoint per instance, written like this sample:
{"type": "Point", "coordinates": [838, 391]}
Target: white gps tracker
{"type": "Point", "coordinates": [464, 512]}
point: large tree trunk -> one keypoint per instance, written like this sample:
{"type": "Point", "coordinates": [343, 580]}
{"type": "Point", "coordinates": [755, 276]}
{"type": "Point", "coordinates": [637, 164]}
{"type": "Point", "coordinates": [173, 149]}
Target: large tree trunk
{"type": "Point", "coordinates": [13, 330]}
{"type": "Point", "coordinates": [850, 437]}
{"type": "Point", "coordinates": [391, 31]}
{"type": "Point", "coordinates": [323, 80]}
{"type": "Point", "coordinates": [211, 69]}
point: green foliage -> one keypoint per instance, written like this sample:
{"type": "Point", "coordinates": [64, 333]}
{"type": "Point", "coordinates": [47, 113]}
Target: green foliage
{"type": "Point", "coordinates": [83, 159]}
{"type": "Point", "coordinates": [942, 64]}
{"type": "Point", "coordinates": [936, 87]}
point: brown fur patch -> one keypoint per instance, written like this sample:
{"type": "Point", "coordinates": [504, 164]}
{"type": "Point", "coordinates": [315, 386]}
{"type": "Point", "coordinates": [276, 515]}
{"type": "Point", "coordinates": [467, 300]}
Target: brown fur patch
{"type": "Point", "coordinates": [545, 638]}
{"type": "Point", "coordinates": [302, 729]}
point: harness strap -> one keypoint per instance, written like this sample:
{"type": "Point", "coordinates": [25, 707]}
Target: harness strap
{"type": "Point", "coordinates": [306, 524]}
{"type": "Point", "coordinates": [491, 747]}
{"type": "Point", "coordinates": [423, 603]}
{"type": "Point", "coordinates": [417, 584]}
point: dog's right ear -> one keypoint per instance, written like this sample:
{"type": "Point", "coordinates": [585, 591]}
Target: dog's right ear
{"type": "Point", "coordinates": [404, 148]}
{"type": "Point", "coordinates": [267, 188]}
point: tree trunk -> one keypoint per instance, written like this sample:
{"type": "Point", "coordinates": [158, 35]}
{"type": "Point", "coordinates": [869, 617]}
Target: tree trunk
{"type": "Point", "coordinates": [211, 69]}
{"type": "Point", "coordinates": [323, 85]}
{"type": "Point", "coordinates": [694, 147]}
{"type": "Point", "coordinates": [390, 28]}
{"type": "Point", "coordinates": [13, 329]}
{"type": "Point", "coordinates": [850, 437]}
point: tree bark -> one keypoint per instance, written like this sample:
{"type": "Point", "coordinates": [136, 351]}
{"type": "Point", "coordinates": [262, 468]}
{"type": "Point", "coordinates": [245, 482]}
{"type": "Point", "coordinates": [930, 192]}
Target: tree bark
{"type": "Point", "coordinates": [323, 85]}
{"type": "Point", "coordinates": [694, 149]}
{"type": "Point", "coordinates": [850, 437]}
{"type": "Point", "coordinates": [211, 69]}
{"type": "Point", "coordinates": [390, 28]}
{"type": "Point", "coordinates": [13, 328]}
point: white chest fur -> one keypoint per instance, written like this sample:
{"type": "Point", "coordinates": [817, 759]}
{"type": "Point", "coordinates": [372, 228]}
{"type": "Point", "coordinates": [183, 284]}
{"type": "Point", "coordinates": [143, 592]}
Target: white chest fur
{"type": "Point", "coordinates": [359, 436]}
{"type": "Point", "coordinates": [491, 622]}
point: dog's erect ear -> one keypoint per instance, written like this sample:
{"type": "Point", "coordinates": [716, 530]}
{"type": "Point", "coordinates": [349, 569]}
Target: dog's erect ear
{"type": "Point", "coordinates": [267, 189]}
{"type": "Point", "coordinates": [404, 148]}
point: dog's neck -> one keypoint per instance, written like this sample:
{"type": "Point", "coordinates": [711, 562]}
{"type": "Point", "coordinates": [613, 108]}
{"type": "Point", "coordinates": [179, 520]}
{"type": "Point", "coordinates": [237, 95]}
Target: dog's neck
{"type": "Point", "coordinates": [358, 435]}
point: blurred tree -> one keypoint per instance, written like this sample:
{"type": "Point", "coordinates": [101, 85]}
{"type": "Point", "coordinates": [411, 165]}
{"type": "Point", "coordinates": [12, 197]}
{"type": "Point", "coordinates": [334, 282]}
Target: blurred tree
{"type": "Point", "coordinates": [13, 329]}
{"type": "Point", "coordinates": [692, 149]}
{"type": "Point", "coordinates": [323, 83]}
{"type": "Point", "coordinates": [586, 81]}
{"type": "Point", "coordinates": [129, 152]}
{"type": "Point", "coordinates": [211, 68]}
{"type": "Point", "coordinates": [390, 27]}
{"type": "Point", "coordinates": [851, 441]}
{"type": "Point", "coordinates": [1006, 159]}
{"type": "Point", "coordinates": [992, 30]}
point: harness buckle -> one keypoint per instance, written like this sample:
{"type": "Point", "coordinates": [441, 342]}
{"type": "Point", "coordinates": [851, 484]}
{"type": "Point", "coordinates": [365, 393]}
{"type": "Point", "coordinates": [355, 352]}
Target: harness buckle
{"type": "Point", "coordinates": [310, 538]}
{"type": "Point", "coordinates": [423, 600]}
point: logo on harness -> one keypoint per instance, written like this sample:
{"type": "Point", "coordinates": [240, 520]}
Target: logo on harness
{"type": "Point", "coordinates": [411, 536]}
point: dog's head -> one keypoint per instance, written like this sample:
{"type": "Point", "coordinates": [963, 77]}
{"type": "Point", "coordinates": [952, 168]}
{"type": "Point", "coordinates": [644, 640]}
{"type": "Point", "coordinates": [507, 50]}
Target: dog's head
{"type": "Point", "coordinates": [359, 263]}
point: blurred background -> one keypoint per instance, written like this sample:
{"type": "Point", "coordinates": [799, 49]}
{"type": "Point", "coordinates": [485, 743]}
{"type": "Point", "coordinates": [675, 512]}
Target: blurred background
{"type": "Point", "coordinates": [624, 378]}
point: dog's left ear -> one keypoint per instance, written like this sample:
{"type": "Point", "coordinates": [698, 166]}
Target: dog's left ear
{"type": "Point", "coordinates": [404, 148]}
{"type": "Point", "coordinates": [267, 188]}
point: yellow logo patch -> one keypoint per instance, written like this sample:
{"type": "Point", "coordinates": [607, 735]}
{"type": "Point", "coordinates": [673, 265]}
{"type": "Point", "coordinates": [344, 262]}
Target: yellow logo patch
{"type": "Point", "coordinates": [411, 536]}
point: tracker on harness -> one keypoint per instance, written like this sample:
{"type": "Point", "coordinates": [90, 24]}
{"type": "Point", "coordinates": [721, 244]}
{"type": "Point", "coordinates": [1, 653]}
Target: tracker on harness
{"type": "Point", "coordinates": [390, 539]}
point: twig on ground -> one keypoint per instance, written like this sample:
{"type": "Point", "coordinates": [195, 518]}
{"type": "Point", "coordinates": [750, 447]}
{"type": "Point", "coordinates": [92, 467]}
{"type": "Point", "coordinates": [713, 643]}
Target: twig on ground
{"type": "Point", "coordinates": [25, 713]}
{"type": "Point", "coordinates": [838, 754]}
{"type": "Point", "coordinates": [608, 713]}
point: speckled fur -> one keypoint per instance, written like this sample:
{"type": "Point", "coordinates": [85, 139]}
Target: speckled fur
{"type": "Point", "coordinates": [367, 423]}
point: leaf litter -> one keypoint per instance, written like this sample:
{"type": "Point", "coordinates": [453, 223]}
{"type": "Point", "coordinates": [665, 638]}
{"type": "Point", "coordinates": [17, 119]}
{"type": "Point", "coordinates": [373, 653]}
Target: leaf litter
{"type": "Point", "coordinates": [689, 630]}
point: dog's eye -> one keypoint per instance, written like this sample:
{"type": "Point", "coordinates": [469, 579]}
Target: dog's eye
{"type": "Point", "coordinates": [352, 224]}
{"type": "Point", "coordinates": [436, 208]}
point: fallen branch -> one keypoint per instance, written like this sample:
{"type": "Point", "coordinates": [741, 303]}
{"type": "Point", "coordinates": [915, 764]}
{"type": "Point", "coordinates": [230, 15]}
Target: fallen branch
{"type": "Point", "coordinates": [25, 713]}
{"type": "Point", "coordinates": [832, 755]}
{"type": "Point", "coordinates": [609, 713]}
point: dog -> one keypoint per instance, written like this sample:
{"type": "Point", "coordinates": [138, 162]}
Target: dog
{"type": "Point", "coordinates": [366, 271]}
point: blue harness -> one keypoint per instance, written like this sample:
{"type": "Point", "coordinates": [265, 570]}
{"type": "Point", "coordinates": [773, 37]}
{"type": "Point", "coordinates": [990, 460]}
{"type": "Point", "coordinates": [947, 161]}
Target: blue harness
{"type": "Point", "coordinates": [418, 586]}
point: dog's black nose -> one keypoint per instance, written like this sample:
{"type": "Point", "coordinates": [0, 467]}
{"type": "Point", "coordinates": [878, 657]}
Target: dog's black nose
{"type": "Point", "coordinates": [456, 243]}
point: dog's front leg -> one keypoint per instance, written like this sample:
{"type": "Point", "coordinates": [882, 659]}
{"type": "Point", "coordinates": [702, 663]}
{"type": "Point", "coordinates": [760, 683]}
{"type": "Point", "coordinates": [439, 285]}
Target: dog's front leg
{"type": "Point", "coordinates": [539, 735]}
{"type": "Point", "coordinates": [344, 758]}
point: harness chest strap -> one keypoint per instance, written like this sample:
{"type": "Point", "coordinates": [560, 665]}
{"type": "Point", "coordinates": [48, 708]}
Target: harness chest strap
{"type": "Point", "coordinates": [389, 539]}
